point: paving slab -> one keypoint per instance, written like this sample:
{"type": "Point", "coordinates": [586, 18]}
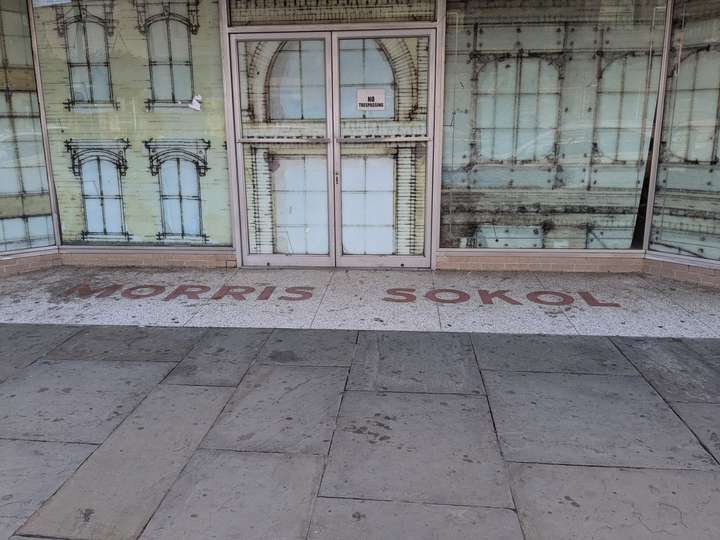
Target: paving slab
{"type": "Point", "coordinates": [704, 420]}
{"type": "Point", "coordinates": [415, 362]}
{"type": "Point", "coordinates": [281, 409]}
{"type": "Point", "coordinates": [416, 448]}
{"type": "Point", "coordinates": [309, 347]}
{"type": "Point", "coordinates": [128, 343]}
{"type": "Point", "coordinates": [22, 344]}
{"type": "Point", "coordinates": [380, 520]}
{"type": "Point", "coordinates": [679, 372]}
{"type": "Point", "coordinates": [31, 471]}
{"type": "Point", "coordinates": [707, 348]}
{"type": "Point", "coordinates": [115, 492]}
{"type": "Point", "coordinates": [74, 400]}
{"type": "Point", "coordinates": [232, 495]}
{"type": "Point", "coordinates": [560, 354]}
{"type": "Point", "coordinates": [220, 358]}
{"type": "Point", "coordinates": [578, 503]}
{"type": "Point", "coordinates": [589, 420]}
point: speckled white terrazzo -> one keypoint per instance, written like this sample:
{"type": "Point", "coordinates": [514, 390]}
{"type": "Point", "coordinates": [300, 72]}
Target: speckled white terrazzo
{"type": "Point", "coordinates": [537, 303]}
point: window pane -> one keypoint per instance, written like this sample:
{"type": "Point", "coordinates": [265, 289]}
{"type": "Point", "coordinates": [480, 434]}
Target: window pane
{"type": "Point", "coordinates": [96, 43]}
{"type": "Point", "coordinates": [101, 83]}
{"type": "Point", "coordinates": [189, 179]}
{"type": "Point", "coordinates": [94, 215]}
{"type": "Point", "coordinates": [191, 217]}
{"type": "Point", "coordinates": [113, 215]}
{"type": "Point", "coordinates": [75, 36]}
{"type": "Point", "coordinates": [91, 178]}
{"type": "Point", "coordinates": [171, 216]}
{"type": "Point", "coordinates": [179, 42]}
{"type": "Point", "coordinates": [161, 83]}
{"type": "Point", "coordinates": [110, 179]}
{"type": "Point", "coordinates": [183, 83]}
{"type": "Point", "coordinates": [169, 180]}
{"type": "Point", "coordinates": [81, 84]}
{"type": "Point", "coordinates": [158, 42]}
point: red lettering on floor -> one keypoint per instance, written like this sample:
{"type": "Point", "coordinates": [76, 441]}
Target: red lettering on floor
{"type": "Point", "coordinates": [460, 296]}
{"type": "Point", "coordinates": [562, 298]}
{"type": "Point", "coordinates": [133, 293]}
{"type": "Point", "coordinates": [404, 294]}
{"type": "Point", "coordinates": [238, 293]}
{"type": "Point", "coordinates": [192, 292]}
{"type": "Point", "coordinates": [84, 291]}
{"type": "Point", "coordinates": [303, 293]}
{"type": "Point", "coordinates": [590, 300]}
{"type": "Point", "coordinates": [486, 297]}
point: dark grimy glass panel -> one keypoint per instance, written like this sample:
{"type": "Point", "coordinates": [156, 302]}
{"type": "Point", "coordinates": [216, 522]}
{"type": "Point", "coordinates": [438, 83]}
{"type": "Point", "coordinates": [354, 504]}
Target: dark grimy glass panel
{"type": "Point", "coordinates": [686, 217]}
{"type": "Point", "coordinates": [548, 117]}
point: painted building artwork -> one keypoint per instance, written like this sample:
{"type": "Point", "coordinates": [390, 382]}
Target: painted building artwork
{"type": "Point", "coordinates": [396, 133]}
{"type": "Point", "coordinates": [25, 210]}
{"type": "Point", "coordinates": [135, 112]}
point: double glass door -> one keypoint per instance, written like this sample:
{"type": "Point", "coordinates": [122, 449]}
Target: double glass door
{"type": "Point", "coordinates": [334, 143]}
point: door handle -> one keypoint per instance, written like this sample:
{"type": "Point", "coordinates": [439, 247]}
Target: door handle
{"type": "Point", "coordinates": [337, 178]}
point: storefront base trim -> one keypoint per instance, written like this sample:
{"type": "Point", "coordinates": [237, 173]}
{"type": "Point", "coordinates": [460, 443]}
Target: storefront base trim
{"type": "Point", "coordinates": [700, 272]}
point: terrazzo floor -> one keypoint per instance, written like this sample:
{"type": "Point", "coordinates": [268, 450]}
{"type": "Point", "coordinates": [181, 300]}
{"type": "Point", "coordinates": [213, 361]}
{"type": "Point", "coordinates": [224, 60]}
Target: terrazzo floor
{"type": "Point", "coordinates": [534, 303]}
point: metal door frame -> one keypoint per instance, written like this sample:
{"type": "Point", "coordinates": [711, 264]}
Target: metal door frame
{"type": "Point", "coordinates": [335, 258]}
{"type": "Point", "coordinates": [275, 259]}
{"type": "Point", "coordinates": [383, 261]}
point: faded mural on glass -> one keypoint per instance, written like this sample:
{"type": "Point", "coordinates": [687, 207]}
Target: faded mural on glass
{"type": "Point", "coordinates": [135, 110]}
{"type": "Point", "coordinates": [25, 211]}
{"type": "Point", "coordinates": [283, 87]}
{"type": "Point", "coordinates": [687, 201]}
{"type": "Point", "coordinates": [549, 112]}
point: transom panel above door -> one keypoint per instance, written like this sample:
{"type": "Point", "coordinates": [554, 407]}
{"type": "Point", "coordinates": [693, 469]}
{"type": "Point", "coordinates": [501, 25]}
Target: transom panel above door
{"type": "Point", "coordinates": [333, 139]}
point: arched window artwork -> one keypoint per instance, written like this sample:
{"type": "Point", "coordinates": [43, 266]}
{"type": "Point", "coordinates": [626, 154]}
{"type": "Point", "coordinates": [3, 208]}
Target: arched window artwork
{"type": "Point", "coordinates": [296, 82]}
{"type": "Point", "coordinates": [516, 106]}
{"type": "Point", "coordinates": [625, 108]}
{"type": "Point", "coordinates": [364, 64]}
{"type": "Point", "coordinates": [691, 118]}
{"type": "Point", "coordinates": [168, 26]}
{"type": "Point", "coordinates": [86, 27]}
{"type": "Point", "coordinates": [179, 165]}
{"type": "Point", "coordinates": [100, 166]}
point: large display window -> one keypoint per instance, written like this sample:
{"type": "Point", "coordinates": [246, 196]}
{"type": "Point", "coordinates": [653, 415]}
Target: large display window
{"type": "Point", "coordinates": [686, 217]}
{"type": "Point", "coordinates": [135, 117]}
{"type": "Point", "coordinates": [548, 118]}
{"type": "Point", "coordinates": [25, 209]}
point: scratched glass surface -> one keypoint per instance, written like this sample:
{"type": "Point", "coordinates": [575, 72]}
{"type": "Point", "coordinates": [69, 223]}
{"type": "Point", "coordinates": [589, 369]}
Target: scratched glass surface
{"type": "Point", "coordinates": [686, 217]}
{"type": "Point", "coordinates": [548, 117]}
{"type": "Point", "coordinates": [25, 213]}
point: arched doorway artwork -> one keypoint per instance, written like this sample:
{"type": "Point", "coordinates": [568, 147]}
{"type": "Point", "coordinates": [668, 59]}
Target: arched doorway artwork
{"type": "Point", "coordinates": [334, 146]}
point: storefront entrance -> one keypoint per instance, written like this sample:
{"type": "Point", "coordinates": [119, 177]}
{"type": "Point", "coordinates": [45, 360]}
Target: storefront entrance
{"type": "Point", "coordinates": [334, 147]}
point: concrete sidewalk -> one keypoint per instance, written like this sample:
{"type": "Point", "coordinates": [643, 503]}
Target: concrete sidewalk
{"type": "Point", "coordinates": [169, 433]}
{"type": "Point", "coordinates": [496, 302]}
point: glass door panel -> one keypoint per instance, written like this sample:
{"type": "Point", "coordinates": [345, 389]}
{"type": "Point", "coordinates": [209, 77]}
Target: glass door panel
{"type": "Point", "coordinates": [283, 126]}
{"type": "Point", "coordinates": [382, 144]}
